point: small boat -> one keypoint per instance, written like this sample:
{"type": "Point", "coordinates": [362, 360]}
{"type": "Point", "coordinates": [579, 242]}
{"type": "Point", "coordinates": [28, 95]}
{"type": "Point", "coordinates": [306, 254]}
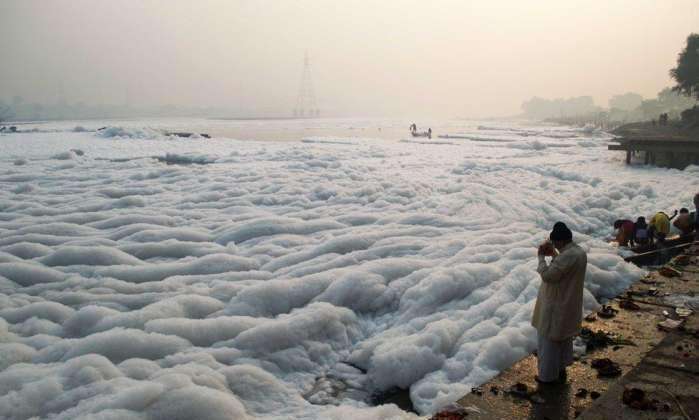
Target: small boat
{"type": "Point", "coordinates": [420, 134]}
{"type": "Point", "coordinates": [669, 242]}
{"type": "Point", "coordinates": [648, 254]}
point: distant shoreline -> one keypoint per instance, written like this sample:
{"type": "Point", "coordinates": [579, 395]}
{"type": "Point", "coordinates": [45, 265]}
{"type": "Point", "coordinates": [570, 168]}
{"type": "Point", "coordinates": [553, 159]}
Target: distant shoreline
{"type": "Point", "coordinates": [262, 118]}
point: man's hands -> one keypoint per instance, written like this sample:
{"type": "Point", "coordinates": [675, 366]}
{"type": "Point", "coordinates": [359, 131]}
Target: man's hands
{"type": "Point", "coordinates": [546, 249]}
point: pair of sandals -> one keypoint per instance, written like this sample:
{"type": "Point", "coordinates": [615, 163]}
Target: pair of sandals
{"type": "Point", "coordinates": [606, 368]}
{"type": "Point", "coordinates": [607, 312]}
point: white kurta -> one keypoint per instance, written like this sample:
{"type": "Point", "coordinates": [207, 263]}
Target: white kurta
{"type": "Point", "coordinates": [554, 357]}
{"type": "Point", "coordinates": [558, 311]}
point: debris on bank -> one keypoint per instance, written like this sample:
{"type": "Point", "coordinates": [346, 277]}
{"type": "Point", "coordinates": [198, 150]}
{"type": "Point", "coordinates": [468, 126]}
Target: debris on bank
{"type": "Point", "coordinates": [640, 361]}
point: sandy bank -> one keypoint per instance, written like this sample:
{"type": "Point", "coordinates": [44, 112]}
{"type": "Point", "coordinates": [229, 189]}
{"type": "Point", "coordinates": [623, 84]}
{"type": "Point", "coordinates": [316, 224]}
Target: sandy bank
{"type": "Point", "coordinates": [657, 362]}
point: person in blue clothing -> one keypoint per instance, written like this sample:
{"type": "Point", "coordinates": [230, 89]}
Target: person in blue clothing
{"type": "Point", "coordinates": [640, 232]}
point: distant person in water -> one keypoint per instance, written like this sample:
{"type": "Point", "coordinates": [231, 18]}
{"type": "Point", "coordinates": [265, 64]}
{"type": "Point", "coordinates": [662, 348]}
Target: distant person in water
{"type": "Point", "coordinates": [660, 226]}
{"type": "Point", "coordinates": [625, 229]}
{"type": "Point", "coordinates": [429, 133]}
{"type": "Point", "coordinates": [557, 314]}
{"type": "Point", "coordinates": [640, 232]}
{"type": "Point", "coordinates": [413, 128]}
{"type": "Point", "coordinates": [684, 222]}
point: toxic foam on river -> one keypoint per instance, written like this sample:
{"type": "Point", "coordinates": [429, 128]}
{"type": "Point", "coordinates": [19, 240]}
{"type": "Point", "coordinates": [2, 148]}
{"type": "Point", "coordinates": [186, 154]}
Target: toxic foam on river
{"type": "Point", "coordinates": [289, 279]}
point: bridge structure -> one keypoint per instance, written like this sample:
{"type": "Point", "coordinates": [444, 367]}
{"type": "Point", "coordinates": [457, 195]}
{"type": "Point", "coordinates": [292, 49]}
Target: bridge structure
{"type": "Point", "coordinates": [660, 151]}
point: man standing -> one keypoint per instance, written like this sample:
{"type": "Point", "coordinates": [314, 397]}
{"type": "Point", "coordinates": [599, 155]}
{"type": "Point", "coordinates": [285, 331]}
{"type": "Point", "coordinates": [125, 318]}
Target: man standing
{"type": "Point", "coordinates": [558, 312]}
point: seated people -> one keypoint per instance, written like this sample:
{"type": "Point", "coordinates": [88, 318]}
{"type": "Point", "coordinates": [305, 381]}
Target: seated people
{"type": "Point", "coordinates": [660, 226]}
{"type": "Point", "coordinates": [640, 232]}
{"type": "Point", "coordinates": [684, 222]}
{"type": "Point", "coordinates": [625, 229]}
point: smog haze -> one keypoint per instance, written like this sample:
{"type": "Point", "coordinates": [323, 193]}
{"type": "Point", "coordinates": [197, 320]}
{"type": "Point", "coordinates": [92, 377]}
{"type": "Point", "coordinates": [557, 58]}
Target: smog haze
{"type": "Point", "coordinates": [445, 58]}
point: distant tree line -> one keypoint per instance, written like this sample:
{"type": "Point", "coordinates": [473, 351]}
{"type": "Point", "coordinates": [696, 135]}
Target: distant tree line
{"type": "Point", "coordinates": [623, 108]}
{"type": "Point", "coordinates": [539, 108]}
{"type": "Point", "coordinates": [681, 102]}
{"type": "Point", "coordinates": [17, 109]}
{"type": "Point", "coordinates": [668, 101]}
{"type": "Point", "coordinates": [686, 75]}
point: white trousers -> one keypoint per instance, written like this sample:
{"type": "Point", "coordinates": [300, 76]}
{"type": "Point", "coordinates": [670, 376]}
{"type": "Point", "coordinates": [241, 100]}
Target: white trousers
{"type": "Point", "coordinates": [553, 357]}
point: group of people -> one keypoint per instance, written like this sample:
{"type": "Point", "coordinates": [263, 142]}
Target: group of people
{"type": "Point", "coordinates": [557, 314]}
{"type": "Point", "coordinates": [657, 229]}
{"type": "Point", "coordinates": [414, 132]}
{"type": "Point", "coordinates": [662, 119]}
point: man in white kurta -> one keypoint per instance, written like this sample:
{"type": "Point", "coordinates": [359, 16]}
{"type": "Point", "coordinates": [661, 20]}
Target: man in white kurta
{"type": "Point", "coordinates": [558, 312]}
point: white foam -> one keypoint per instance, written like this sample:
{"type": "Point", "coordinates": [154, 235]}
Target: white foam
{"type": "Point", "coordinates": [119, 132]}
{"type": "Point", "coordinates": [88, 255]}
{"type": "Point", "coordinates": [290, 279]}
{"type": "Point", "coordinates": [67, 155]}
{"type": "Point", "coordinates": [178, 159]}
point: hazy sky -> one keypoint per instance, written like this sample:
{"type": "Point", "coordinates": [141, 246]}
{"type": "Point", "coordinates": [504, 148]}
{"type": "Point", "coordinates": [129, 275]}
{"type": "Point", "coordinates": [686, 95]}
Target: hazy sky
{"type": "Point", "coordinates": [413, 58]}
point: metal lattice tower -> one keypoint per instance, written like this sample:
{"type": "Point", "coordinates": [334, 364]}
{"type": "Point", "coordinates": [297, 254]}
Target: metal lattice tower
{"type": "Point", "coordinates": [306, 101]}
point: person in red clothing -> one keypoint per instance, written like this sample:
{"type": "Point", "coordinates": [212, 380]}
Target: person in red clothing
{"type": "Point", "coordinates": [625, 232]}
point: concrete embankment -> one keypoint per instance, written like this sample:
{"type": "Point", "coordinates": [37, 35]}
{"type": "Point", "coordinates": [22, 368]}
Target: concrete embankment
{"type": "Point", "coordinates": [659, 368]}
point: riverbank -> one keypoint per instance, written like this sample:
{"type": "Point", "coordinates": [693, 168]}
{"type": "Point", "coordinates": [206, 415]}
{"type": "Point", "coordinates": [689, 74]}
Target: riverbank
{"type": "Point", "coordinates": [663, 364]}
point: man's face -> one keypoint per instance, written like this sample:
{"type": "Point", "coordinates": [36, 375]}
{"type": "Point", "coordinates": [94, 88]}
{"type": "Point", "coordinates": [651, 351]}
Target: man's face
{"type": "Point", "coordinates": [559, 244]}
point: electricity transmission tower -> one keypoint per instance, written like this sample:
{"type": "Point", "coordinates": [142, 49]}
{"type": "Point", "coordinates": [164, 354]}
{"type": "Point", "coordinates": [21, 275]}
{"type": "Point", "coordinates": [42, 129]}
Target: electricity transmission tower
{"type": "Point", "coordinates": [306, 101]}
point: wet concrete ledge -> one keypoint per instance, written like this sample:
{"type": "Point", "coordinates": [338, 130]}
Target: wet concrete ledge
{"type": "Point", "coordinates": [663, 364]}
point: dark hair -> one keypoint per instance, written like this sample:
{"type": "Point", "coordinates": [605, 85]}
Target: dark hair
{"type": "Point", "coordinates": [618, 223]}
{"type": "Point", "coordinates": [684, 210]}
{"type": "Point", "coordinates": [560, 232]}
